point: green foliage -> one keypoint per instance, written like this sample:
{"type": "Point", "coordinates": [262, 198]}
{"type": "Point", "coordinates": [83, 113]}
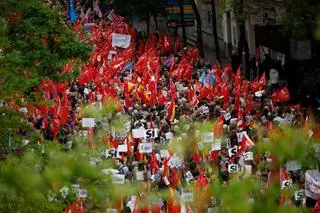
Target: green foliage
{"type": "Point", "coordinates": [36, 43]}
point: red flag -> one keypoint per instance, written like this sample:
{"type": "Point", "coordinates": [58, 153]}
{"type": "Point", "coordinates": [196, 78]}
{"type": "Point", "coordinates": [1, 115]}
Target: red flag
{"type": "Point", "coordinates": [281, 95]}
{"type": "Point", "coordinates": [262, 81]}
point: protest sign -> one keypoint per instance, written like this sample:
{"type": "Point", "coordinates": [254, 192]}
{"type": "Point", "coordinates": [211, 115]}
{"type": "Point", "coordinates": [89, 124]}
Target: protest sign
{"type": "Point", "coordinates": [138, 133]}
{"type": "Point", "coordinates": [299, 195]}
{"type": "Point", "coordinates": [140, 175]}
{"type": "Point", "coordinates": [233, 151]}
{"type": "Point", "coordinates": [150, 133]}
{"type": "Point", "coordinates": [189, 176]}
{"type": "Point", "coordinates": [145, 147]}
{"type": "Point", "coordinates": [286, 184]}
{"type": "Point", "coordinates": [123, 148]}
{"type": "Point", "coordinates": [88, 122]}
{"type": "Point", "coordinates": [118, 179]}
{"type": "Point", "coordinates": [233, 168]}
{"type": "Point", "coordinates": [164, 153]}
{"type": "Point", "coordinates": [216, 146]}
{"type": "Point", "coordinates": [240, 135]}
{"type": "Point", "coordinates": [187, 196]}
{"type": "Point", "coordinates": [248, 156]}
{"type": "Point", "coordinates": [121, 40]}
{"type": "Point", "coordinates": [312, 184]}
{"type": "Point", "coordinates": [112, 153]}
{"type": "Point", "coordinates": [227, 116]}
{"type": "Point", "coordinates": [207, 137]}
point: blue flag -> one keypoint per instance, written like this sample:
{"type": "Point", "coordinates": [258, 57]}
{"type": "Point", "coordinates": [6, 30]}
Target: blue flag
{"type": "Point", "coordinates": [72, 13]}
{"type": "Point", "coordinates": [211, 79]}
{"type": "Point", "coordinates": [202, 78]}
{"type": "Point", "coordinates": [128, 66]}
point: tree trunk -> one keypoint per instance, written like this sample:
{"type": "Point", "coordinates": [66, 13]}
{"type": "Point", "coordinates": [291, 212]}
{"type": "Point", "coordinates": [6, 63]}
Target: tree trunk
{"type": "Point", "coordinates": [199, 28]}
{"type": "Point", "coordinates": [243, 44]}
{"type": "Point", "coordinates": [148, 25]}
{"type": "Point", "coordinates": [182, 23]}
{"type": "Point", "coordinates": [214, 30]}
{"type": "Point", "coordinates": [155, 19]}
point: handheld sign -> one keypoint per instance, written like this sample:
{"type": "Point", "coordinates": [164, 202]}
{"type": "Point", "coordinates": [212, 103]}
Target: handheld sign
{"type": "Point", "coordinates": [145, 148]}
{"type": "Point", "coordinates": [112, 153]}
{"type": "Point", "coordinates": [187, 196]}
{"type": "Point", "coordinates": [138, 133]}
{"type": "Point", "coordinates": [118, 179]}
{"type": "Point", "coordinates": [123, 148]}
{"type": "Point", "coordinates": [150, 133]}
{"type": "Point", "coordinates": [88, 122]}
{"type": "Point", "coordinates": [207, 137]}
{"type": "Point", "coordinates": [216, 146]}
{"type": "Point", "coordinates": [248, 156]}
{"type": "Point", "coordinates": [227, 116]}
{"type": "Point", "coordinates": [240, 135]}
{"type": "Point", "coordinates": [121, 40]}
{"type": "Point", "coordinates": [299, 195]}
{"type": "Point", "coordinates": [233, 168]}
{"type": "Point", "coordinates": [286, 184]}
{"type": "Point", "coordinates": [189, 176]}
{"type": "Point", "coordinates": [164, 153]}
{"type": "Point", "coordinates": [233, 151]}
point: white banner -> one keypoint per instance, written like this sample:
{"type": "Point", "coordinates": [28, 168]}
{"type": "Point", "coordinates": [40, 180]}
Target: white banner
{"type": "Point", "coordinates": [312, 184]}
{"type": "Point", "coordinates": [121, 40]}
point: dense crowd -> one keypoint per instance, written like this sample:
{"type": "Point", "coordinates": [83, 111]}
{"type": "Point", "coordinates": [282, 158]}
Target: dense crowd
{"type": "Point", "coordinates": [169, 94]}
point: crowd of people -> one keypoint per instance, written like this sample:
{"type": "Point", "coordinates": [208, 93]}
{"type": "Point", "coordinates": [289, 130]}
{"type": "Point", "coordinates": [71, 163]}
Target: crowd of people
{"type": "Point", "coordinates": [170, 95]}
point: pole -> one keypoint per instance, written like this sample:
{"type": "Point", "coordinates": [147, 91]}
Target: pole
{"type": "Point", "coordinates": [182, 23]}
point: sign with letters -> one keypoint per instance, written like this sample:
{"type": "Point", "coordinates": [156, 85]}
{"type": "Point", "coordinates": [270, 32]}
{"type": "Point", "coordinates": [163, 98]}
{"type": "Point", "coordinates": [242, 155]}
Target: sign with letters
{"type": "Point", "coordinates": [248, 156]}
{"type": "Point", "coordinates": [286, 184]}
{"type": "Point", "coordinates": [207, 137]}
{"type": "Point", "coordinates": [240, 135]}
{"type": "Point", "coordinates": [233, 151]}
{"type": "Point", "coordinates": [121, 40]}
{"type": "Point", "coordinates": [112, 153]}
{"type": "Point", "coordinates": [150, 133]}
{"type": "Point", "coordinates": [118, 179]}
{"type": "Point", "coordinates": [233, 168]}
{"type": "Point", "coordinates": [88, 122]}
{"type": "Point", "coordinates": [145, 147]}
{"type": "Point", "coordinates": [299, 195]}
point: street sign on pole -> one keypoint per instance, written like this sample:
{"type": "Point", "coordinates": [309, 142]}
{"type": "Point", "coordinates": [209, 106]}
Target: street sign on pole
{"type": "Point", "coordinates": [174, 18]}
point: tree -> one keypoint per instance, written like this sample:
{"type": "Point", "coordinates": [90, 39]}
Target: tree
{"type": "Point", "coordinates": [36, 44]}
{"type": "Point", "coordinates": [199, 27]}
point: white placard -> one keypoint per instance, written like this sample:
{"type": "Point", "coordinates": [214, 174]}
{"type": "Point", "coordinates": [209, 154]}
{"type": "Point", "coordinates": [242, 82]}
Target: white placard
{"type": "Point", "coordinates": [127, 126]}
{"type": "Point", "coordinates": [121, 40]}
{"type": "Point", "coordinates": [293, 165]}
{"type": "Point", "coordinates": [207, 137]}
{"type": "Point", "coordinates": [286, 184]}
{"type": "Point", "coordinates": [123, 148]}
{"type": "Point", "coordinates": [139, 175]}
{"type": "Point", "coordinates": [216, 146]}
{"type": "Point", "coordinates": [83, 133]}
{"type": "Point", "coordinates": [150, 133]}
{"type": "Point", "coordinates": [200, 146]}
{"type": "Point", "coordinates": [299, 195]}
{"type": "Point", "coordinates": [82, 193]}
{"type": "Point", "coordinates": [112, 153]}
{"type": "Point", "coordinates": [86, 91]}
{"type": "Point", "coordinates": [189, 176]}
{"type": "Point", "coordinates": [247, 170]}
{"type": "Point", "coordinates": [240, 135]}
{"type": "Point", "coordinates": [145, 147]}
{"type": "Point", "coordinates": [312, 184]}
{"type": "Point", "coordinates": [233, 168]}
{"type": "Point", "coordinates": [111, 210]}
{"type": "Point", "coordinates": [88, 122]}
{"type": "Point", "coordinates": [138, 133]}
{"type": "Point", "coordinates": [248, 156]}
{"type": "Point", "coordinates": [263, 119]}
{"type": "Point", "coordinates": [266, 140]}
{"type": "Point", "coordinates": [233, 121]}
{"type": "Point", "coordinates": [233, 151]}
{"type": "Point", "coordinates": [227, 116]}
{"type": "Point", "coordinates": [169, 135]}
{"type": "Point", "coordinates": [187, 196]}
{"type": "Point", "coordinates": [118, 179]}
{"type": "Point", "coordinates": [164, 153]}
